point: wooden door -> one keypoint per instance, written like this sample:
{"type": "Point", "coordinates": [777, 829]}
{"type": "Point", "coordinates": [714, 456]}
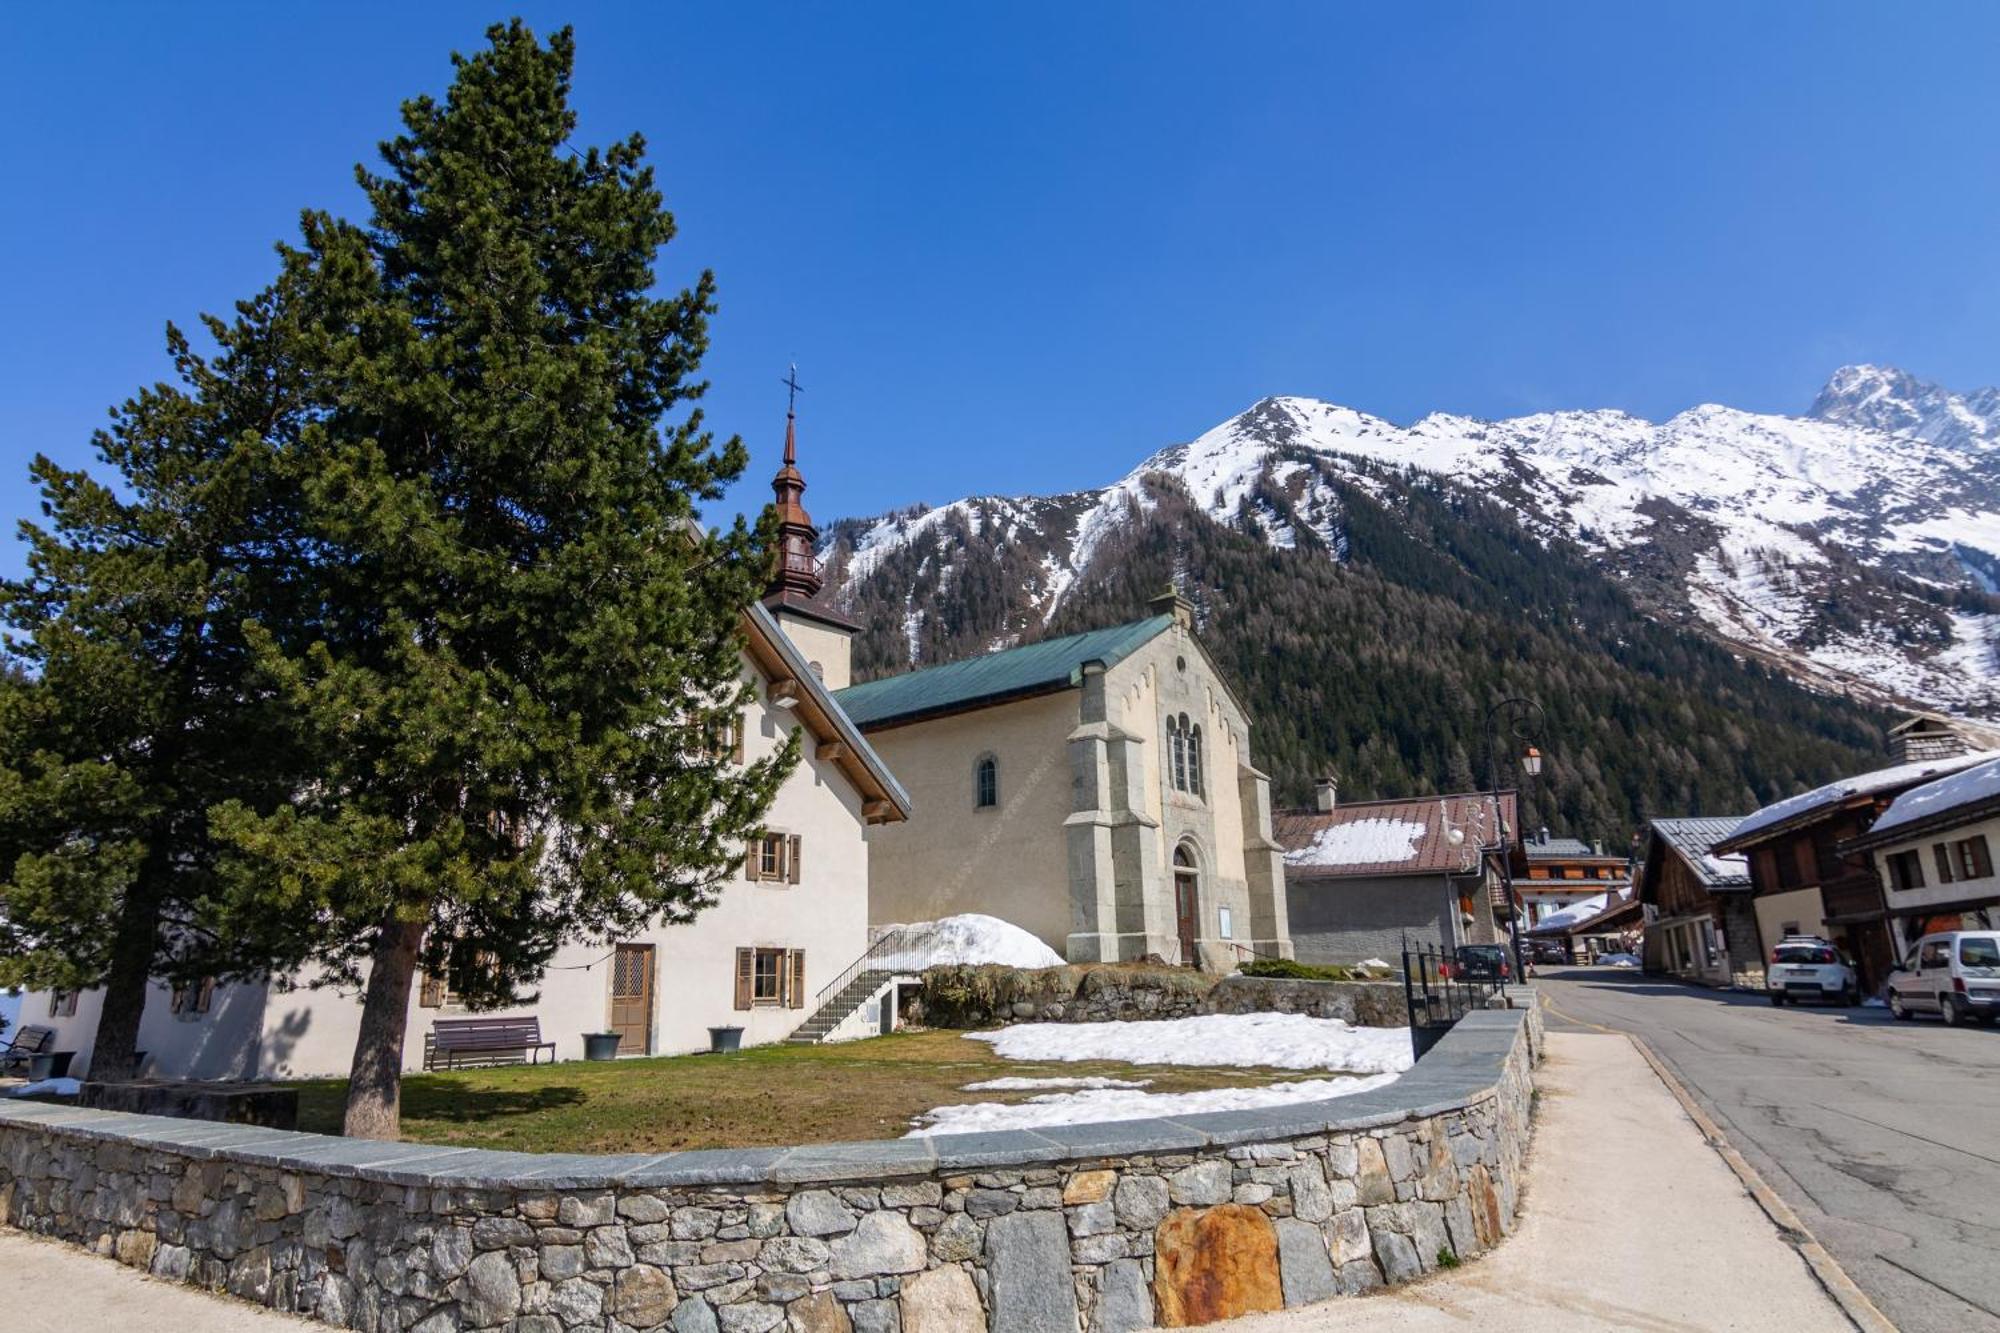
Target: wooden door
{"type": "Point", "coordinates": [632, 998]}
{"type": "Point", "coordinates": [1185, 911]}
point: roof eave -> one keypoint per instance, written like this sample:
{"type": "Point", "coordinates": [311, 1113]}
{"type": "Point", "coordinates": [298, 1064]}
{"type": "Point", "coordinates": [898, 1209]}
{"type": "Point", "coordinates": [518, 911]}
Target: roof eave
{"type": "Point", "coordinates": [780, 656]}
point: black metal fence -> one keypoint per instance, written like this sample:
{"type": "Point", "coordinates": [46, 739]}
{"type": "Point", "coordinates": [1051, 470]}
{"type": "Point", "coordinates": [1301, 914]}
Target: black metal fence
{"type": "Point", "coordinates": [1440, 990]}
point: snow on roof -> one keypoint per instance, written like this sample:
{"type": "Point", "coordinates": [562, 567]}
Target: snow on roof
{"type": "Point", "coordinates": [1365, 842]}
{"type": "Point", "coordinates": [1881, 780]}
{"type": "Point", "coordinates": [1694, 836]}
{"type": "Point", "coordinates": [1574, 913]}
{"type": "Point", "coordinates": [1968, 786]}
{"type": "Point", "coordinates": [1396, 837]}
{"type": "Point", "coordinates": [969, 938]}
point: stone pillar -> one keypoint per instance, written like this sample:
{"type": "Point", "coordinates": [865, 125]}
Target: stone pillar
{"type": "Point", "coordinates": [1263, 867]}
{"type": "Point", "coordinates": [1108, 839]}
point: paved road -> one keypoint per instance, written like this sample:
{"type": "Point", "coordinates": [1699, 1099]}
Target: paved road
{"type": "Point", "coordinates": [1883, 1136]}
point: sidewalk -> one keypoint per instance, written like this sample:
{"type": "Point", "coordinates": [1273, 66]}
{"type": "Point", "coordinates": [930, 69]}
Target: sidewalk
{"type": "Point", "coordinates": [51, 1287]}
{"type": "Point", "coordinates": [1630, 1221]}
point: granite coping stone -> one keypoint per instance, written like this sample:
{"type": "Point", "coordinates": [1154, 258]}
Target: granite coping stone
{"type": "Point", "coordinates": [705, 1166]}
{"type": "Point", "coordinates": [1122, 1138]}
{"type": "Point", "coordinates": [853, 1161]}
{"type": "Point", "coordinates": [1460, 1072]}
{"type": "Point", "coordinates": [993, 1147]}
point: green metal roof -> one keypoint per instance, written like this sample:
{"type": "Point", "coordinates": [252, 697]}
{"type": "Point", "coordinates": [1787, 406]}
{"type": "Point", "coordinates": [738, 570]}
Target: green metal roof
{"type": "Point", "coordinates": [1030, 669]}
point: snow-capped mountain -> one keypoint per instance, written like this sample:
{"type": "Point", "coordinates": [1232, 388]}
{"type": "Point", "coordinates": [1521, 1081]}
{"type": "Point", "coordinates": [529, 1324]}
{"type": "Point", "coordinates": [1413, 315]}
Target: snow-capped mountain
{"type": "Point", "coordinates": [1857, 545]}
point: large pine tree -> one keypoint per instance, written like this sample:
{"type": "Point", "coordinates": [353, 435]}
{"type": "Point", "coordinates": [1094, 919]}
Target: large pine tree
{"type": "Point", "coordinates": [527, 643]}
{"type": "Point", "coordinates": [128, 708]}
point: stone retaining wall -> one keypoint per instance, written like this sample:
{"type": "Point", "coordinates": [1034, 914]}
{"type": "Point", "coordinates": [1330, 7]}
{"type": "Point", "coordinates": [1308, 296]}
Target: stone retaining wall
{"type": "Point", "coordinates": [983, 996]}
{"type": "Point", "coordinates": [1101, 1227]}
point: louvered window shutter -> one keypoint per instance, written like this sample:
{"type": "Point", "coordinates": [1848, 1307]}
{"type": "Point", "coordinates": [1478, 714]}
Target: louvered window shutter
{"type": "Point", "coordinates": [797, 972]}
{"type": "Point", "coordinates": [206, 996]}
{"type": "Point", "coordinates": [736, 729]}
{"type": "Point", "coordinates": [746, 966]}
{"type": "Point", "coordinates": [792, 858]}
{"type": "Point", "coordinates": [179, 1001]}
{"type": "Point", "coordinates": [432, 994]}
{"type": "Point", "coordinates": [753, 863]}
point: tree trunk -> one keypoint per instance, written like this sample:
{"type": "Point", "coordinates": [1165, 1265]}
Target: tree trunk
{"type": "Point", "coordinates": [375, 1084]}
{"type": "Point", "coordinates": [114, 1050]}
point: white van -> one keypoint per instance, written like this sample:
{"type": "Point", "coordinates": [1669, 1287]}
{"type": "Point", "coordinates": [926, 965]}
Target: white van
{"type": "Point", "coordinates": [1955, 975]}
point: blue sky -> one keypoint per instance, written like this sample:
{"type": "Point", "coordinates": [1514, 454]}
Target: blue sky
{"type": "Point", "coordinates": [1015, 248]}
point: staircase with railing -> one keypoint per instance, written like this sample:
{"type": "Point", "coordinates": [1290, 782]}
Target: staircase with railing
{"type": "Point", "coordinates": [859, 984]}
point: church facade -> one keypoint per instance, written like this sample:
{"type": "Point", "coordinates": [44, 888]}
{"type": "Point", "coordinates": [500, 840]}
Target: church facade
{"type": "Point", "coordinates": [1097, 790]}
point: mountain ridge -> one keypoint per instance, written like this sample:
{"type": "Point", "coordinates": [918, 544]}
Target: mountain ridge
{"type": "Point", "coordinates": [1856, 547]}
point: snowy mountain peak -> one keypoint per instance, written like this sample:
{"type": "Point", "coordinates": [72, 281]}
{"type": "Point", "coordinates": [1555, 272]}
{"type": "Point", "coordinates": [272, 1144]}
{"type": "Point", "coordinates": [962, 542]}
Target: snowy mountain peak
{"type": "Point", "coordinates": [1896, 402]}
{"type": "Point", "coordinates": [1858, 546]}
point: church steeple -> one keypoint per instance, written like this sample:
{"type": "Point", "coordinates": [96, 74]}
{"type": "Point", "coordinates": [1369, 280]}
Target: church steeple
{"type": "Point", "coordinates": [797, 566]}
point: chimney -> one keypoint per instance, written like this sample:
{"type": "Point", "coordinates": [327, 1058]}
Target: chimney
{"type": "Point", "coordinates": [1542, 835]}
{"type": "Point", "coordinates": [1326, 793]}
{"type": "Point", "coordinates": [1924, 736]}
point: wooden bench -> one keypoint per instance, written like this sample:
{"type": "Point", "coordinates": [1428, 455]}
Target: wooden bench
{"type": "Point", "coordinates": [28, 1043]}
{"type": "Point", "coordinates": [453, 1042]}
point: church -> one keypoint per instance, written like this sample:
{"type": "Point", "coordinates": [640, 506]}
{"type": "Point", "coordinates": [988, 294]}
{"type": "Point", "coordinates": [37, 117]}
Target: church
{"type": "Point", "coordinates": [1097, 790]}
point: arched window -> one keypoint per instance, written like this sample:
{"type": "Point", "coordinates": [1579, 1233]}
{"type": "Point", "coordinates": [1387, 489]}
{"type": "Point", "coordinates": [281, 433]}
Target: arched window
{"type": "Point", "coordinates": [985, 782]}
{"type": "Point", "coordinates": [1194, 759]}
{"type": "Point", "coordinates": [1177, 752]}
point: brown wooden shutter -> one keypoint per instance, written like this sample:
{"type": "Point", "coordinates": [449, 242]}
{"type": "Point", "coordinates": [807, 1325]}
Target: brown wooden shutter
{"type": "Point", "coordinates": [205, 996]}
{"type": "Point", "coordinates": [796, 970]}
{"type": "Point", "coordinates": [432, 993]}
{"type": "Point", "coordinates": [746, 967]}
{"type": "Point", "coordinates": [753, 864]}
{"type": "Point", "coordinates": [792, 857]}
{"type": "Point", "coordinates": [179, 1001]}
{"type": "Point", "coordinates": [736, 729]}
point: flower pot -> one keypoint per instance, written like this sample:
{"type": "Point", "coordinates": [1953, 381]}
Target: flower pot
{"type": "Point", "coordinates": [601, 1045]}
{"type": "Point", "coordinates": [725, 1039]}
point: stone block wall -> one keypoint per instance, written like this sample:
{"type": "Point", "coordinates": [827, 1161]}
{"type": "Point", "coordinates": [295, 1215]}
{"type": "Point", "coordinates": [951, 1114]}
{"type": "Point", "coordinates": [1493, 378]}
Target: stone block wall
{"type": "Point", "coordinates": [1105, 1227]}
{"type": "Point", "coordinates": [982, 996]}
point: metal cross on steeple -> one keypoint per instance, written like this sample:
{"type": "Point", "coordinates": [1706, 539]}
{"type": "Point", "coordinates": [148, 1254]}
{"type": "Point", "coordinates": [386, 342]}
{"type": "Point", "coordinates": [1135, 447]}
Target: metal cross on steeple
{"type": "Point", "coordinates": [791, 382]}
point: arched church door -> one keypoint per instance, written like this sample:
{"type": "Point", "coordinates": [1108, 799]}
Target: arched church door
{"type": "Point", "coordinates": [1187, 903]}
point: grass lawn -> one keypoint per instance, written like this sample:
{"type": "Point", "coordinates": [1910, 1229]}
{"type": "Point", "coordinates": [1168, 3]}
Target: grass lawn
{"type": "Point", "coordinates": [768, 1095]}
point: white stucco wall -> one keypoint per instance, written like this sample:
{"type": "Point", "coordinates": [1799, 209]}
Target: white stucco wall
{"type": "Point", "coordinates": [1934, 894]}
{"type": "Point", "coordinates": [950, 856]}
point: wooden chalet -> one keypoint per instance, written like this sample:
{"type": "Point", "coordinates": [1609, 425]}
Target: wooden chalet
{"type": "Point", "coordinates": [1701, 921]}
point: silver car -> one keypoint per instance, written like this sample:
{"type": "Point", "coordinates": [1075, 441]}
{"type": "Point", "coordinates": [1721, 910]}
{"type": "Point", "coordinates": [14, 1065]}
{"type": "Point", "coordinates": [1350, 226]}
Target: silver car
{"type": "Point", "coordinates": [1955, 975]}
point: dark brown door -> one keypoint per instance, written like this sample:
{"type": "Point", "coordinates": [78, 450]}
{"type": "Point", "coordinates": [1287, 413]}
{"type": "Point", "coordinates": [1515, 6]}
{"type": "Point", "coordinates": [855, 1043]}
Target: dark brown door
{"type": "Point", "coordinates": [632, 998]}
{"type": "Point", "coordinates": [1185, 911]}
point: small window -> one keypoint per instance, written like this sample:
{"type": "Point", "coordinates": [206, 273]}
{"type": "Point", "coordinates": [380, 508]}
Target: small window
{"type": "Point", "coordinates": [770, 978]}
{"type": "Point", "coordinates": [1906, 870]}
{"type": "Point", "coordinates": [62, 1003]}
{"type": "Point", "coordinates": [1194, 760]}
{"type": "Point", "coordinates": [1973, 858]}
{"type": "Point", "coordinates": [986, 783]}
{"type": "Point", "coordinates": [192, 1000]}
{"type": "Point", "coordinates": [1222, 923]}
{"type": "Point", "coordinates": [774, 858]}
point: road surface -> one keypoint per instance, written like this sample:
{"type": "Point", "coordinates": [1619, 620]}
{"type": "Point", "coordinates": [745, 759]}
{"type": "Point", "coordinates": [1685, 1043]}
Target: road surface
{"type": "Point", "coordinates": [1883, 1136]}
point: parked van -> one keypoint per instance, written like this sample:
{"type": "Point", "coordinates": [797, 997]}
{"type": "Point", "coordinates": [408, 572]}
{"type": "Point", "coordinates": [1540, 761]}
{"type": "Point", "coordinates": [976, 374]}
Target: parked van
{"type": "Point", "coordinates": [1955, 975]}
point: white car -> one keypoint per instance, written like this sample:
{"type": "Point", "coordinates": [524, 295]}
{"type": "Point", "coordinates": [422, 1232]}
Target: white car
{"type": "Point", "coordinates": [1806, 967]}
{"type": "Point", "coordinates": [1955, 975]}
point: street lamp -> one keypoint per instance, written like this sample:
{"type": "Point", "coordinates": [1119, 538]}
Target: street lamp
{"type": "Point", "coordinates": [1523, 720]}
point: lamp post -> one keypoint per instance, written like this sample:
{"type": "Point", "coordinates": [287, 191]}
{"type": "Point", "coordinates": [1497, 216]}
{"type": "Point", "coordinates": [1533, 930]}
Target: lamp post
{"type": "Point", "coordinates": [1523, 720]}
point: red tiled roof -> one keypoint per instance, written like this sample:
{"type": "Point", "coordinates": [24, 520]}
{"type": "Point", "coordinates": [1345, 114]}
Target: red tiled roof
{"type": "Point", "coordinates": [1318, 844]}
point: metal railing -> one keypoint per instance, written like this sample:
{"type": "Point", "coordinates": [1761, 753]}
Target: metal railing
{"type": "Point", "coordinates": [878, 950]}
{"type": "Point", "coordinates": [1438, 993]}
